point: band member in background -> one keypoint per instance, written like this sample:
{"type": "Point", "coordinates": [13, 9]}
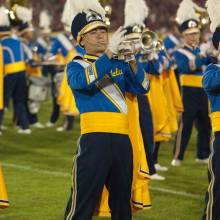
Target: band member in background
{"type": "Point", "coordinates": [190, 65]}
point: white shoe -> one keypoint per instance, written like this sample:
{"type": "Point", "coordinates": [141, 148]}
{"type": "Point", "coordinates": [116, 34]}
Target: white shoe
{"type": "Point", "coordinates": [157, 177]}
{"type": "Point", "coordinates": [38, 125]}
{"type": "Point", "coordinates": [158, 167]}
{"type": "Point", "coordinates": [49, 124]}
{"type": "Point", "coordinates": [176, 163]}
{"type": "Point", "coordinates": [3, 128]}
{"type": "Point", "coordinates": [60, 129]}
{"type": "Point", "coordinates": [202, 161]}
{"type": "Point", "coordinates": [24, 131]}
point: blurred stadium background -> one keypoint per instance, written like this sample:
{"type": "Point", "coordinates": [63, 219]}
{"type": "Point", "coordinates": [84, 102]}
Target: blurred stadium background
{"type": "Point", "coordinates": [162, 12]}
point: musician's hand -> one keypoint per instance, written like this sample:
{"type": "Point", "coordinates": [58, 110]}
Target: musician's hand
{"type": "Point", "coordinates": [115, 41]}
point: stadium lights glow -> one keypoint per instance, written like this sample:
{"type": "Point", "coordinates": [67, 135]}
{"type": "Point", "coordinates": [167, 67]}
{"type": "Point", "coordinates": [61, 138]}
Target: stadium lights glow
{"type": "Point", "coordinates": [204, 21]}
{"type": "Point", "coordinates": [108, 9]}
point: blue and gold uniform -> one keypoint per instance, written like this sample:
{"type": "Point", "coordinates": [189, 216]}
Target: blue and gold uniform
{"type": "Point", "coordinates": [195, 102]}
{"type": "Point", "coordinates": [211, 84]}
{"type": "Point", "coordinates": [108, 95]}
{"type": "Point", "coordinates": [15, 77]}
{"type": "Point", "coordinates": [171, 43]}
{"type": "Point", "coordinates": [99, 87]}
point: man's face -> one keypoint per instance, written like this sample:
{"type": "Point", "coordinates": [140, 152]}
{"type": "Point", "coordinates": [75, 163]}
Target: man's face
{"type": "Point", "coordinates": [95, 42]}
{"type": "Point", "coordinates": [192, 39]}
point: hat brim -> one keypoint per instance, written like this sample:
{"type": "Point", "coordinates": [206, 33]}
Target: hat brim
{"type": "Point", "coordinates": [26, 30]}
{"type": "Point", "coordinates": [4, 33]}
{"type": "Point", "coordinates": [191, 31]}
{"type": "Point", "coordinates": [89, 27]}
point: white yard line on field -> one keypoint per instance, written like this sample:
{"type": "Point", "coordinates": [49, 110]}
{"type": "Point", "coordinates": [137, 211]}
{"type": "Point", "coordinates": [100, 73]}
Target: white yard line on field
{"type": "Point", "coordinates": [63, 174]}
{"type": "Point", "coordinates": [36, 170]}
{"type": "Point", "coordinates": [3, 216]}
{"type": "Point", "coordinates": [179, 193]}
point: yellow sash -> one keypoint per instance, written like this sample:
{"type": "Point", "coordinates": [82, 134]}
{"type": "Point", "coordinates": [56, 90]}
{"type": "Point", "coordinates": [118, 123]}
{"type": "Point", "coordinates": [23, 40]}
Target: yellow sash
{"type": "Point", "coordinates": [191, 80]}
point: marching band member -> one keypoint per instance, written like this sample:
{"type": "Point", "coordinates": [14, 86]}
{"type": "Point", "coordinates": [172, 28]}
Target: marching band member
{"type": "Point", "coordinates": [211, 84]}
{"type": "Point", "coordinates": [15, 73]}
{"type": "Point", "coordinates": [134, 26]}
{"type": "Point", "coordinates": [4, 31]}
{"type": "Point", "coordinates": [195, 102]}
{"type": "Point", "coordinates": [60, 48]}
{"type": "Point", "coordinates": [44, 45]}
{"type": "Point", "coordinates": [99, 84]}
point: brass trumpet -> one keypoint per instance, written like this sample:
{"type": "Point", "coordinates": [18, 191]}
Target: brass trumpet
{"type": "Point", "coordinates": [147, 43]}
{"type": "Point", "coordinates": [150, 42]}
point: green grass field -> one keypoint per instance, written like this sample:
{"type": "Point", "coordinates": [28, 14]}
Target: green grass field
{"type": "Point", "coordinates": [37, 172]}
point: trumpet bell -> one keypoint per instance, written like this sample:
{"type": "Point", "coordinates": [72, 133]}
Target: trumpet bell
{"type": "Point", "coordinates": [149, 40]}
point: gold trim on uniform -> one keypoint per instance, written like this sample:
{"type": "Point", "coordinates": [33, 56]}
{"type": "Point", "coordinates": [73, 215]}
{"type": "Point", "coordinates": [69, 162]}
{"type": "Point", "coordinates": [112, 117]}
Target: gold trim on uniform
{"type": "Point", "coordinates": [14, 67]}
{"type": "Point", "coordinates": [74, 185]}
{"type": "Point", "coordinates": [191, 80]}
{"type": "Point", "coordinates": [107, 122]}
{"type": "Point", "coordinates": [211, 185]}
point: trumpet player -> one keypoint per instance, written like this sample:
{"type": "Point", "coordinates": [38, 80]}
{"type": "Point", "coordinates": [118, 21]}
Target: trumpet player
{"type": "Point", "coordinates": [99, 84]}
{"type": "Point", "coordinates": [190, 65]}
{"type": "Point", "coordinates": [143, 45]}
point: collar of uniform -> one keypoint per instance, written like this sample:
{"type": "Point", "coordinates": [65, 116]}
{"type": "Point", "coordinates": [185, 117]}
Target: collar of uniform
{"type": "Point", "coordinates": [90, 57]}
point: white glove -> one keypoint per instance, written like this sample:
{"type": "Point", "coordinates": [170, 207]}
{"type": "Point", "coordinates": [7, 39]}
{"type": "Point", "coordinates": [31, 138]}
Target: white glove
{"type": "Point", "coordinates": [116, 39]}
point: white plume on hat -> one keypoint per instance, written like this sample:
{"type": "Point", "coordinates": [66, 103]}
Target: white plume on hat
{"type": "Point", "coordinates": [45, 20]}
{"type": "Point", "coordinates": [186, 11]}
{"type": "Point", "coordinates": [213, 8]}
{"type": "Point", "coordinates": [4, 21]}
{"type": "Point", "coordinates": [199, 8]}
{"type": "Point", "coordinates": [67, 15]}
{"type": "Point", "coordinates": [24, 14]}
{"type": "Point", "coordinates": [136, 11]}
{"type": "Point", "coordinates": [76, 6]}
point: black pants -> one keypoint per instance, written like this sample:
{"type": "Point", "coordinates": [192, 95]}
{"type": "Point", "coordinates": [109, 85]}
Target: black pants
{"type": "Point", "coordinates": [69, 122]}
{"type": "Point", "coordinates": [102, 159]}
{"type": "Point", "coordinates": [146, 124]}
{"type": "Point", "coordinates": [156, 152]}
{"type": "Point", "coordinates": [212, 209]}
{"type": "Point", "coordinates": [15, 88]}
{"type": "Point", "coordinates": [195, 104]}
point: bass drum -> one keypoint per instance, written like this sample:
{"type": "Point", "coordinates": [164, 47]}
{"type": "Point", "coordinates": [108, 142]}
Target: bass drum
{"type": "Point", "coordinates": [38, 88]}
